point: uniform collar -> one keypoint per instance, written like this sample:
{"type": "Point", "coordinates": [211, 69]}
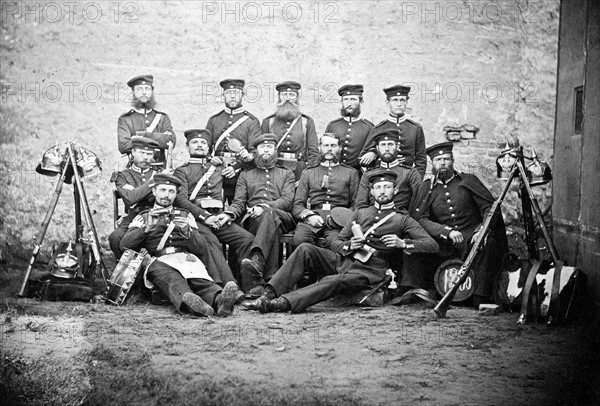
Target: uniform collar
{"type": "Point", "coordinates": [159, 207]}
{"type": "Point", "coordinates": [142, 111]}
{"type": "Point", "coordinates": [137, 169]}
{"type": "Point", "coordinates": [198, 160]}
{"type": "Point", "coordinates": [386, 206]}
{"type": "Point", "coordinates": [397, 120]}
{"type": "Point", "coordinates": [329, 164]}
{"type": "Point", "coordinates": [390, 165]}
{"type": "Point", "coordinates": [236, 111]}
{"type": "Point", "coordinates": [448, 181]}
{"type": "Point", "coordinates": [350, 119]}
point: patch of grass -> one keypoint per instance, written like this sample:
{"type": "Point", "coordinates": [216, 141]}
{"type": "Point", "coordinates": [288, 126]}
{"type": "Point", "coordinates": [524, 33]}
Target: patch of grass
{"type": "Point", "coordinates": [127, 377]}
{"type": "Point", "coordinates": [44, 381]}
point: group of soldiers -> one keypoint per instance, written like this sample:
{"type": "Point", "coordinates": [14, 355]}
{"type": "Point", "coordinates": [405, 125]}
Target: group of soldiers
{"type": "Point", "coordinates": [247, 183]}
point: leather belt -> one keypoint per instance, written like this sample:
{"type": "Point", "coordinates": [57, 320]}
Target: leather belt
{"type": "Point", "coordinates": [170, 250]}
{"type": "Point", "coordinates": [288, 155]}
{"type": "Point", "coordinates": [320, 206]}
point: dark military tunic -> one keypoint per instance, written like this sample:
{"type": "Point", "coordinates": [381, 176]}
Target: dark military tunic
{"type": "Point", "coordinates": [326, 187]}
{"type": "Point", "coordinates": [334, 186]}
{"type": "Point", "coordinates": [133, 185]}
{"type": "Point", "coordinates": [353, 134]}
{"type": "Point", "coordinates": [167, 278]}
{"type": "Point", "coordinates": [139, 120]}
{"type": "Point", "coordinates": [347, 275]}
{"type": "Point", "coordinates": [272, 189]}
{"type": "Point", "coordinates": [407, 183]}
{"type": "Point", "coordinates": [412, 141]}
{"type": "Point", "coordinates": [245, 132]}
{"type": "Point", "coordinates": [300, 144]}
{"type": "Point", "coordinates": [460, 204]}
{"type": "Point", "coordinates": [190, 174]}
{"type": "Point", "coordinates": [211, 191]}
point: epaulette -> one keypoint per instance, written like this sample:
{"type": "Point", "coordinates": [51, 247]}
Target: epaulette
{"type": "Point", "coordinates": [302, 114]}
{"type": "Point", "coordinates": [246, 112]}
{"type": "Point", "coordinates": [216, 115]}
{"type": "Point", "coordinates": [405, 166]}
{"type": "Point", "coordinates": [413, 122]}
{"type": "Point", "coordinates": [382, 123]}
{"type": "Point", "coordinates": [127, 113]}
{"type": "Point", "coordinates": [160, 112]}
{"type": "Point", "coordinates": [367, 122]}
{"type": "Point", "coordinates": [268, 117]}
{"type": "Point", "coordinates": [336, 120]}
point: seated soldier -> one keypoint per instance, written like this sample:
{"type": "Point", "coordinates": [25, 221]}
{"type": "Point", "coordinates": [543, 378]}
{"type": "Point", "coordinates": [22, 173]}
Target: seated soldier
{"type": "Point", "coordinates": [169, 234]}
{"type": "Point", "coordinates": [265, 195]}
{"type": "Point", "coordinates": [133, 185]}
{"type": "Point", "coordinates": [361, 260]}
{"type": "Point", "coordinates": [327, 186]}
{"type": "Point", "coordinates": [201, 194]}
{"type": "Point", "coordinates": [451, 207]}
{"type": "Point", "coordinates": [386, 145]}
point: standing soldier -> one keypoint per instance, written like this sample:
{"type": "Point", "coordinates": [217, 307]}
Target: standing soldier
{"type": "Point", "coordinates": [264, 197]}
{"type": "Point", "coordinates": [411, 148]}
{"type": "Point", "coordinates": [297, 141]}
{"type": "Point", "coordinates": [352, 130]}
{"type": "Point", "coordinates": [327, 186]}
{"type": "Point", "coordinates": [233, 122]}
{"type": "Point", "coordinates": [134, 186]}
{"type": "Point", "coordinates": [143, 120]}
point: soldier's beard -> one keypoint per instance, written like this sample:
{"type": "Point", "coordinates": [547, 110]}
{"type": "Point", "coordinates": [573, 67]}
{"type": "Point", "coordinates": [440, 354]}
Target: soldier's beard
{"type": "Point", "coordinates": [287, 110]}
{"type": "Point", "coordinates": [164, 202]}
{"type": "Point", "coordinates": [350, 112]}
{"type": "Point", "coordinates": [443, 174]}
{"type": "Point", "coordinates": [383, 199]}
{"type": "Point", "coordinates": [265, 161]}
{"type": "Point", "coordinates": [139, 105]}
{"type": "Point", "coordinates": [387, 157]}
{"type": "Point", "coordinates": [233, 105]}
{"type": "Point", "coordinates": [334, 160]}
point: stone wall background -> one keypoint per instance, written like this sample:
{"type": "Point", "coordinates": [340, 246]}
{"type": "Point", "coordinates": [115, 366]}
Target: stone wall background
{"type": "Point", "coordinates": [63, 69]}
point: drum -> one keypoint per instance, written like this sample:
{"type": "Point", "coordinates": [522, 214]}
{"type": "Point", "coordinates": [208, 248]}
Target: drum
{"type": "Point", "coordinates": [124, 276]}
{"type": "Point", "coordinates": [450, 271]}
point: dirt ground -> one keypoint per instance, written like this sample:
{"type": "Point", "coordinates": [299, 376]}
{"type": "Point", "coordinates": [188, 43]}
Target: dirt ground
{"type": "Point", "coordinates": [147, 354]}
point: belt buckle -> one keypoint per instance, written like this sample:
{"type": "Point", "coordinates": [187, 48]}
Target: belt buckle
{"type": "Point", "coordinates": [170, 250]}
